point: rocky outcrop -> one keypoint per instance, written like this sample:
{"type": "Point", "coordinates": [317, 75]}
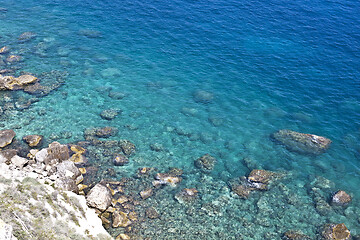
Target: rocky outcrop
{"type": "Point", "coordinates": [258, 179]}
{"type": "Point", "coordinates": [301, 142]}
{"type": "Point", "coordinates": [99, 197]}
{"type": "Point", "coordinates": [47, 213]}
{"type": "Point", "coordinates": [13, 83]}
{"type": "Point", "coordinates": [6, 137]}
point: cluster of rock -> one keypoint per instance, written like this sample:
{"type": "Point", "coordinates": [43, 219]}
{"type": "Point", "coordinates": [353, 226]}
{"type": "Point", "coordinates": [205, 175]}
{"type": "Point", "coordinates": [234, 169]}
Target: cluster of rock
{"type": "Point", "coordinates": [301, 142]}
{"type": "Point", "coordinates": [53, 167]}
{"type": "Point", "coordinates": [258, 179]}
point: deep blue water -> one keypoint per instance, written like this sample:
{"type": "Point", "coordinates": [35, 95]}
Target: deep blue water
{"type": "Point", "coordinates": [270, 65]}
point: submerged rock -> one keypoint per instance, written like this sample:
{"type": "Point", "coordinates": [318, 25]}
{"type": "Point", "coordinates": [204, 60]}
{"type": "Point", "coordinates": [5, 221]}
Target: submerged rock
{"type": "Point", "coordinates": [301, 142]}
{"type": "Point", "coordinates": [187, 195]}
{"type": "Point", "coordinates": [90, 33]}
{"type": "Point", "coordinates": [27, 36]}
{"type": "Point", "coordinates": [116, 95]}
{"type": "Point", "coordinates": [206, 163]}
{"type": "Point", "coordinates": [127, 147]}
{"type": "Point", "coordinates": [6, 137]}
{"type": "Point", "coordinates": [13, 59]}
{"type": "Point", "coordinates": [166, 179]}
{"type": "Point", "coordinates": [110, 114]}
{"type": "Point", "coordinates": [99, 197]}
{"type": "Point", "coordinates": [33, 140]}
{"type": "Point", "coordinates": [146, 193]}
{"type": "Point", "coordinates": [335, 232]}
{"type": "Point", "coordinates": [295, 235]}
{"type": "Point", "coordinates": [341, 198]}
{"type": "Point", "coordinates": [120, 219]}
{"type": "Point", "coordinates": [4, 50]}
{"type": "Point", "coordinates": [203, 96]}
{"type": "Point", "coordinates": [12, 83]}
{"type": "Point", "coordinates": [120, 160]}
{"type": "Point", "coordinates": [151, 213]}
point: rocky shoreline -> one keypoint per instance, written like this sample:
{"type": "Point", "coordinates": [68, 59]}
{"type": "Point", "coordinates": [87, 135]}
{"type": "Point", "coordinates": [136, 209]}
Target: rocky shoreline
{"type": "Point", "coordinates": [128, 207]}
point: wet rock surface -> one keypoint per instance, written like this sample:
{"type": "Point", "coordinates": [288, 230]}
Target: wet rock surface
{"type": "Point", "coordinates": [301, 142]}
{"type": "Point", "coordinates": [33, 140]}
{"type": "Point", "coordinates": [335, 231]}
{"type": "Point", "coordinates": [6, 137]}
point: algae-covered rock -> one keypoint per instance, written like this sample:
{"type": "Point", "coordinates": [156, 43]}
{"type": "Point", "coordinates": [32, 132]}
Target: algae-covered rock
{"type": "Point", "coordinates": [187, 196]}
{"type": "Point", "coordinates": [6, 137]}
{"type": "Point", "coordinates": [33, 140]}
{"type": "Point", "coordinates": [4, 50]}
{"type": "Point", "coordinates": [110, 114]}
{"type": "Point", "coordinates": [301, 142]}
{"type": "Point", "coordinates": [120, 160]}
{"type": "Point", "coordinates": [99, 197]}
{"type": "Point", "coordinates": [127, 147]}
{"type": "Point", "coordinates": [335, 232]}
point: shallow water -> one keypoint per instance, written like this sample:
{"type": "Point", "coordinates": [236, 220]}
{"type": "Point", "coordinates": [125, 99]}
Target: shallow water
{"type": "Point", "coordinates": [269, 66]}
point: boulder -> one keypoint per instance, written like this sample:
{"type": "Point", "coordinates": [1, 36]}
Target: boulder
{"type": "Point", "coordinates": [301, 142]}
{"type": "Point", "coordinates": [13, 59]}
{"type": "Point", "coordinates": [120, 160]}
{"type": "Point", "coordinates": [12, 83]}
{"type": "Point", "coordinates": [6, 137]}
{"type": "Point", "coordinates": [67, 184]}
{"type": "Point", "coordinates": [120, 219]}
{"type": "Point", "coordinates": [261, 176]}
{"type": "Point", "coordinates": [99, 197]}
{"type": "Point", "coordinates": [57, 151]}
{"type": "Point", "coordinates": [205, 163]}
{"type": "Point", "coordinates": [19, 161]}
{"type": "Point", "coordinates": [41, 155]}
{"type": "Point", "coordinates": [340, 198]}
{"type": "Point", "coordinates": [146, 193]}
{"type": "Point", "coordinates": [166, 179]}
{"type": "Point", "coordinates": [33, 140]}
{"type": "Point", "coordinates": [335, 232]}
{"type": "Point", "coordinates": [68, 169]}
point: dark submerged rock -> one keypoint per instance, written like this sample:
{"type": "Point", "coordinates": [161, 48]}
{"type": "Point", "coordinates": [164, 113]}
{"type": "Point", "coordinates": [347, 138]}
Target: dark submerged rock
{"type": "Point", "coordinates": [301, 142]}
{"type": "Point", "coordinates": [205, 163]}
{"type": "Point", "coordinates": [120, 160]}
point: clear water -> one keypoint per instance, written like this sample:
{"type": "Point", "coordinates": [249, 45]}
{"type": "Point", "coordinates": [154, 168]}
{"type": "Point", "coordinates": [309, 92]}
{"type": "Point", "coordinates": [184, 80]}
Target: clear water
{"type": "Point", "coordinates": [269, 64]}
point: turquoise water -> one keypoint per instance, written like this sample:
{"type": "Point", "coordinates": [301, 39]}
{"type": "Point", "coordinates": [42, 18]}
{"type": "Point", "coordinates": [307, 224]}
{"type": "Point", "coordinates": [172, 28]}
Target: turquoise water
{"type": "Point", "coordinates": [268, 65]}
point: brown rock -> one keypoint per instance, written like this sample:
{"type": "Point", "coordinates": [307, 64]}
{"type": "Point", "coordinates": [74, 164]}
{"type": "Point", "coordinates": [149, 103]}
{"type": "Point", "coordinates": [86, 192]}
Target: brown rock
{"type": "Point", "coordinates": [335, 232]}
{"type": "Point", "coordinates": [4, 50]}
{"type": "Point", "coordinates": [341, 198]}
{"type": "Point", "coordinates": [120, 219]}
{"type": "Point", "coordinates": [242, 191]}
{"type": "Point", "coordinates": [261, 176]}
{"type": "Point", "coordinates": [146, 193]}
{"type": "Point", "coordinates": [13, 58]}
{"type": "Point", "coordinates": [206, 163]}
{"type": "Point", "coordinates": [120, 160]}
{"type": "Point", "coordinates": [151, 213]}
{"type": "Point", "coordinates": [33, 140]}
{"type": "Point", "coordinates": [6, 137]}
{"type": "Point", "coordinates": [57, 151]}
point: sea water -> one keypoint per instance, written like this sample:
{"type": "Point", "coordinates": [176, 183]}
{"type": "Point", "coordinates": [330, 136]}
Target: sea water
{"type": "Point", "coordinates": [266, 65]}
